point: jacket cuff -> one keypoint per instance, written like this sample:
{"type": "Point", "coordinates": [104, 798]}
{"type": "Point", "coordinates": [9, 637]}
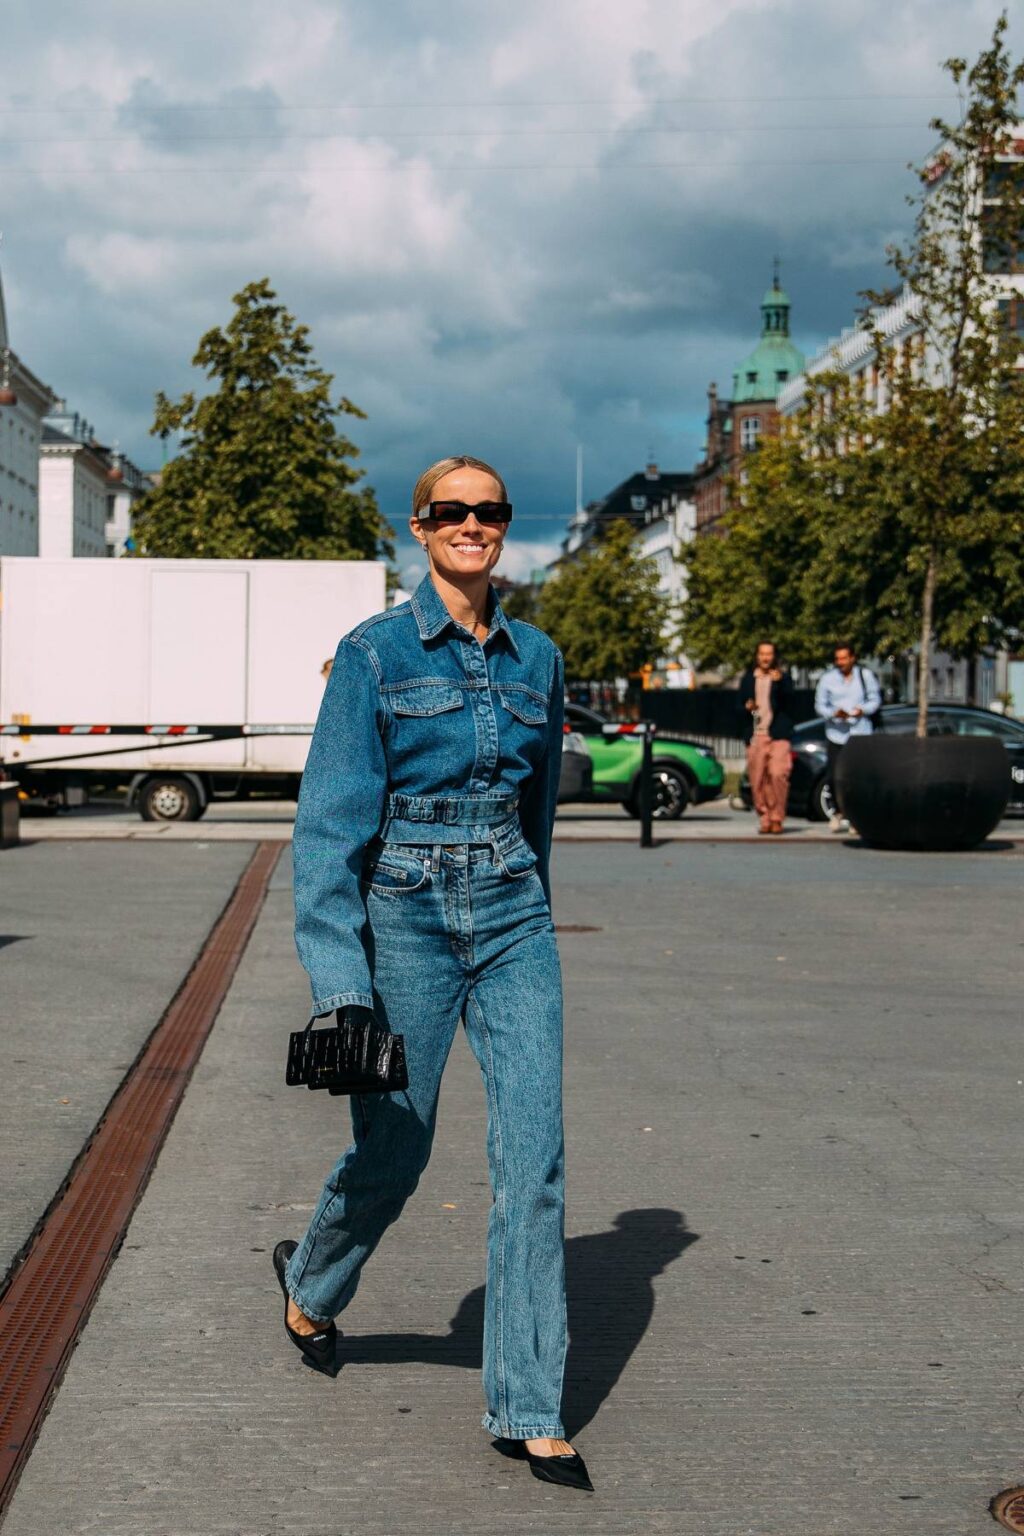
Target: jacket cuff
{"type": "Point", "coordinates": [325, 1005]}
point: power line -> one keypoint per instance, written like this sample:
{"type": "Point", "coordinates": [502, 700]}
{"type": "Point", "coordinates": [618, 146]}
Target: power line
{"type": "Point", "coordinates": [488, 102]}
{"type": "Point", "coordinates": [452, 165]}
{"type": "Point", "coordinates": [471, 133]}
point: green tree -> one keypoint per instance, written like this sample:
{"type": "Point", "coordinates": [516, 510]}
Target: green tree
{"type": "Point", "coordinates": [904, 527]}
{"type": "Point", "coordinates": [604, 610]}
{"type": "Point", "coordinates": [263, 470]}
{"type": "Point", "coordinates": [521, 602]}
{"type": "Point", "coordinates": [740, 584]}
{"type": "Point", "coordinates": [954, 433]}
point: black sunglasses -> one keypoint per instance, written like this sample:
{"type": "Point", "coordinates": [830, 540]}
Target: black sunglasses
{"type": "Point", "coordinates": [489, 513]}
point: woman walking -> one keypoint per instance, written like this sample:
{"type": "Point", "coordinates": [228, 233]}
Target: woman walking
{"type": "Point", "coordinates": [421, 892]}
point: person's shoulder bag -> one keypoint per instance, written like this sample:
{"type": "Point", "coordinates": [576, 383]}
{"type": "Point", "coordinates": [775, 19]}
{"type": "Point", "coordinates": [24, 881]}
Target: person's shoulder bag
{"type": "Point", "coordinates": [877, 723]}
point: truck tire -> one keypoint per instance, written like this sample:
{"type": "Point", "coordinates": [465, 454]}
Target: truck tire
{"type": "Point", "coordinates": [170, 797]}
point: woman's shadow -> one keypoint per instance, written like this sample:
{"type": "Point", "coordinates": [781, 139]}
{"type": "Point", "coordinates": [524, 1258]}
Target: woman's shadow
{"type": "Point", "coordinates": [610, 1296]}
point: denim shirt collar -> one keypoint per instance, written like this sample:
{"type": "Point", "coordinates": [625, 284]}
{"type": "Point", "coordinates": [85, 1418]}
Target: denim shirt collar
{"type": "Point", "coordinates": [432, 617]}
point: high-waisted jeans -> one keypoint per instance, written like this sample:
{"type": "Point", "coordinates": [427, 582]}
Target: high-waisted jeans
{"type": "Point", "coordinates": [463, 932]}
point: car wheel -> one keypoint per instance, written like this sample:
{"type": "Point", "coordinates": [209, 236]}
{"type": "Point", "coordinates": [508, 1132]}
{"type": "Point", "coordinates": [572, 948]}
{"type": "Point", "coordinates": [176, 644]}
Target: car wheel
{"type": "Point", "coordinates": [671, 795]}
{"type": "Point", "coordinates": [170, 797]}
{"type": "Point", "coordinates": [821, 804]}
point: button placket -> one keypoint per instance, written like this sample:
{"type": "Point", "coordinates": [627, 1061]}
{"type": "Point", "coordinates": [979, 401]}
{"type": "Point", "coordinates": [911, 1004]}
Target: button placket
{"type": "Point", "coordinates": [485, 725]}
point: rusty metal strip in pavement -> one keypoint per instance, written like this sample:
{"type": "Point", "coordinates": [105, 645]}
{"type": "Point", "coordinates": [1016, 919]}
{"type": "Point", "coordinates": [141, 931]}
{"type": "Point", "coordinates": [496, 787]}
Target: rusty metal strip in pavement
{"type": "Point", "coordinates": [50, 1295]}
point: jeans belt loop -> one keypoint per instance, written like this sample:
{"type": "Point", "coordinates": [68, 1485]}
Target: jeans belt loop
{"type": "Point", "coordinates": [434, 862]}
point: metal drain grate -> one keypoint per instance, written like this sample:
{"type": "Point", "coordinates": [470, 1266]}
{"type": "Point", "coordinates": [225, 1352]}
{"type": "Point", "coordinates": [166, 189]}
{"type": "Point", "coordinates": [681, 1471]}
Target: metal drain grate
{"type": "Point", "coordinates": [1008, 1508]}
{"type": "Point", "coordinates": [51, 1293]}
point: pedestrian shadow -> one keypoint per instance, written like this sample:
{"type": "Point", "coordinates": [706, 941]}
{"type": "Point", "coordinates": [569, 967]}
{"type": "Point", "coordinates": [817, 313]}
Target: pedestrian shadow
{"type": "Point", "coordinates": [610, 1294]}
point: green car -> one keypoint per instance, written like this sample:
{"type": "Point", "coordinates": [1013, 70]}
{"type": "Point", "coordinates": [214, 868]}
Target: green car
{"type": "Point", "coordinates": [685, 773]}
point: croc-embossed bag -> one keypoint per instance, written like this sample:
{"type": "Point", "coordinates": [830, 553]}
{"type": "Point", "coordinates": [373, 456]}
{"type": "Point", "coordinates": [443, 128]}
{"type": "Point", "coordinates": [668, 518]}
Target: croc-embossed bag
{"type": "Point", "coordinates": [357, 1054]}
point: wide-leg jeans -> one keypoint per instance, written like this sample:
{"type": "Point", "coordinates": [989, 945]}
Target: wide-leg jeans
{"type": "Point", "coordinates": [463, 932]}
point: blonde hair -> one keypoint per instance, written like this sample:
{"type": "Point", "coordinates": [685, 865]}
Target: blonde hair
{"type": "Point", "coordinates": [421, 491]}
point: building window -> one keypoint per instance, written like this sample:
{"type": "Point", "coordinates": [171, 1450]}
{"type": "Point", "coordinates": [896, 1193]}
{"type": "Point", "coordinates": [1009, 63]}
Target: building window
{"type": "Point", "coordinates": [1011, 313]}
{"type": "Point", "coordinates": [638, 503]}
{"type": "Point", "coordinates": [1003, 249]}
{"type": "Point", "coordinates": [750, 431]}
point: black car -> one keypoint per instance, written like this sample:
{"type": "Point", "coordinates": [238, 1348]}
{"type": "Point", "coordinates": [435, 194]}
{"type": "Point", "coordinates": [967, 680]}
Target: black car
{"type": "Point", "coordinates": [809, 793]}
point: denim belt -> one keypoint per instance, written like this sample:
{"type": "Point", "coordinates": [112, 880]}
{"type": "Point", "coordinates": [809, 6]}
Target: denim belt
{"type": "Point", "coordinates": [451, 819]}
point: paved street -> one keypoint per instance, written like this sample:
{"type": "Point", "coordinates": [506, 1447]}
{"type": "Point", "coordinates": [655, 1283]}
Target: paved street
{"type": "Point", "coordinates": [795, 1215]}
{"type": "Point", "coordinates": [271, 820]}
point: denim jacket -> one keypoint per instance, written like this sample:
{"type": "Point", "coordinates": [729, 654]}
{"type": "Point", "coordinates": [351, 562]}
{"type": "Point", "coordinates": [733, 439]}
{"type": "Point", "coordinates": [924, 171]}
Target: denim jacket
{"type": "Point", "coordinates": [425, 735]}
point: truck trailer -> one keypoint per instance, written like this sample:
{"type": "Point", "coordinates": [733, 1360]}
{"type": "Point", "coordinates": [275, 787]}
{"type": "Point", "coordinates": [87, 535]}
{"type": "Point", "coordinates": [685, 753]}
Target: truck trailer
{"type": "Point", "coordinates": [176, 680]}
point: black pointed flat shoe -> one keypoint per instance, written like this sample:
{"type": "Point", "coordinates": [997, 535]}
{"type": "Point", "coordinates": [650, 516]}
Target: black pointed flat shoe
{"type": "Point", "coordinates": [317, 1349]}
{"type": "Point", "coordinates": [568, 1471]}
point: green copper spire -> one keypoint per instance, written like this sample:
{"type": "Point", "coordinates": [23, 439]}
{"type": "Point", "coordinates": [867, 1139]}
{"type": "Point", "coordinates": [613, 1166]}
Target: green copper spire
{"type": "Point", "coordinates": [775, 359]}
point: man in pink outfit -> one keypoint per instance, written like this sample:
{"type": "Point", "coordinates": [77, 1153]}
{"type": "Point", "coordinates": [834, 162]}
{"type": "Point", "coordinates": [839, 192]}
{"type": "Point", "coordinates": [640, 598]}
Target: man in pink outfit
{"type": "Point", "coordinates": [766, 695]}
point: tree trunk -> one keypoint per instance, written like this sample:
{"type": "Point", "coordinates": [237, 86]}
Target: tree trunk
{"type": "Point", "coordinates": [923, 660]}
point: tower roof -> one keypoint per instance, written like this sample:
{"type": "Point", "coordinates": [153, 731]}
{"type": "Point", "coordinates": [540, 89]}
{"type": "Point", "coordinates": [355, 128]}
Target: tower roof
{"type": "Point", "coordinates": [775, 359]}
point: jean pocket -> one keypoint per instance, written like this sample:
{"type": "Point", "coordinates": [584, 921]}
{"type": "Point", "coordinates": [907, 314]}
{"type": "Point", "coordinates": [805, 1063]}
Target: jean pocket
{"type": "Point", "coordinates": [518, 860]}
{"type": "Point", "coordinates": [394, 874]}
{"type": "Point", "coordinates": [526, 704]}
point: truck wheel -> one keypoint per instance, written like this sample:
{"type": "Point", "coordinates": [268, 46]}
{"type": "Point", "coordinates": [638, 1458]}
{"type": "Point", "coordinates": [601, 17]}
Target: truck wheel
{"type": "Point", "coordinates": [170, 798]}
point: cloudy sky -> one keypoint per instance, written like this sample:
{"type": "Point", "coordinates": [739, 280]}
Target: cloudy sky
{"type": "Point", "coordinates": [512, 228]}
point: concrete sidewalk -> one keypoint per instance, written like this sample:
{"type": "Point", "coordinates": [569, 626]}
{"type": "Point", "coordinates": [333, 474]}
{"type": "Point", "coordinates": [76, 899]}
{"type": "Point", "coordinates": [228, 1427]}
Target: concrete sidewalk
{"type": "Point", "coordinates": [91, 951]}
{"type": "Point", "coordinates": [796, 1228]}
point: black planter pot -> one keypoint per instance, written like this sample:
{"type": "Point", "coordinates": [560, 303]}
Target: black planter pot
{"type": "Point", "coordinates": [938, 793]}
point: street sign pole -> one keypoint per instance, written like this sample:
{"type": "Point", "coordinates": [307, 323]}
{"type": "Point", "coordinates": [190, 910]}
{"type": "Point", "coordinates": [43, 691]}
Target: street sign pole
{"type": "Point", "coordinates": [647, 786]}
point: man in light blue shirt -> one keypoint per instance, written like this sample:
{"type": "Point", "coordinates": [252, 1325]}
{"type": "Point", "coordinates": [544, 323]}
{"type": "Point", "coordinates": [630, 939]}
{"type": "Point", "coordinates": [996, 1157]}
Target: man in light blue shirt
{"type": "Point", "coordinates": [847, 698]}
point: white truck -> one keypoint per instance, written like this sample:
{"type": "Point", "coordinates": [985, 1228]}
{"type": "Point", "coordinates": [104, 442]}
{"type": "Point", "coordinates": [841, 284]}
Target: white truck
{"type": "Point", "coordinates": [179, 680]}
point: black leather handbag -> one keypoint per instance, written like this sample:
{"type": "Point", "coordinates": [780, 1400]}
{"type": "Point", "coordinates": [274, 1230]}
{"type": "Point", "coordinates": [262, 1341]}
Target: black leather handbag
{"type": "Point", "coordinates": [357, 1054]}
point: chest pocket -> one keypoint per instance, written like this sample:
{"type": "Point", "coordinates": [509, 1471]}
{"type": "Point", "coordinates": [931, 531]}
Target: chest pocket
{"type": "Point", "coordinates": [525, 703]}
{"type": "Point", "coordinates": [425, 699]}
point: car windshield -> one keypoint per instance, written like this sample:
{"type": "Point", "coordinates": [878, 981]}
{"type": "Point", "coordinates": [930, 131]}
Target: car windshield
{"type": "Point", "coordinates": [580, 715]}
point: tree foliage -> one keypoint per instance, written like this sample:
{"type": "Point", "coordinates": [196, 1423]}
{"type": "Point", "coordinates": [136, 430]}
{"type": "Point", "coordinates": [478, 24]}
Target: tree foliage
{"type": "Point", "coordinates": [902, 527]}
{"type": "Point", "coordinates": [520, 602]}
{"type": "Point", "coordinates": [604, 610]}
{"type": "Point", "coordinates": [263, 470]}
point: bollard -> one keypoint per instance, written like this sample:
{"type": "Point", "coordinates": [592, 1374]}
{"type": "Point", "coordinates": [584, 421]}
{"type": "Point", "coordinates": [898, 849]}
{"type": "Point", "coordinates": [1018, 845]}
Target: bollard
{"type": "Point", "coordinates": [647, 786]}
{"type": "Point", "coordinates": [9, 814]}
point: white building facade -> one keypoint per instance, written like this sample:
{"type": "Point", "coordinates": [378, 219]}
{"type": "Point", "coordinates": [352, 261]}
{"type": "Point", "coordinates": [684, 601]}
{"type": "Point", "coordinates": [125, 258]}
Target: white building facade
{"type": "Point", "coordinates": [670, 525]}
{"type": "Point", "coordinates": [24, 402]}
{"type": "Point", "coordinates": [62, 493]}
{"type": "Point", "coordinates": [852, 353]}
{"type": "Point", "coordinates": [125, 484]}
{"type": "Point", "coordinates": [72, 498]}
